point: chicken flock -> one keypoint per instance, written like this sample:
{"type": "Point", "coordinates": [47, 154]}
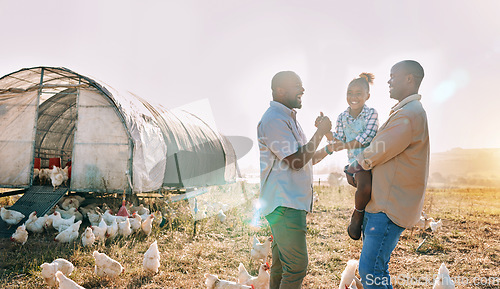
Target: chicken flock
{"type": "Point", "coordinates": [67, 217]}
{"type": "Point", "coordinates": [56, 175]}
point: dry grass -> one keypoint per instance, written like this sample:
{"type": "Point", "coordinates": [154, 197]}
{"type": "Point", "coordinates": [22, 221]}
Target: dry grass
{"type": "Point", "coordinates": [469, 243]}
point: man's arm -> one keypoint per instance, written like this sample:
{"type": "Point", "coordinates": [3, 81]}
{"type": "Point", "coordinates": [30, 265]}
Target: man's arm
{"type": "Point", "coordinates": [306, 152]}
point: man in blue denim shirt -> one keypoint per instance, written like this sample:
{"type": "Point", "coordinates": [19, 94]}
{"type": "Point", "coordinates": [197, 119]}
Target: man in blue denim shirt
{"type": "Point", "coordinates": [286, 195]}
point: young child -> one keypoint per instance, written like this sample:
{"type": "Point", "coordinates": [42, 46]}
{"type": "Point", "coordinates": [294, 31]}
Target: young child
{"type": "Point", "coordinates": [355, 129]}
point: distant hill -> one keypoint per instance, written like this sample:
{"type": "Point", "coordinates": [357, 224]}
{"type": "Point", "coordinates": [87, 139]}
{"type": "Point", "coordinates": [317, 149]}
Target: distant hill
{"type": "Point", "coordinates": [466, 167]}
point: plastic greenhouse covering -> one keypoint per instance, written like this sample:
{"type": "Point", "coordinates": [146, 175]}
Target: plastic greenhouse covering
{"type": "Point", "coordinates": [114, 140]}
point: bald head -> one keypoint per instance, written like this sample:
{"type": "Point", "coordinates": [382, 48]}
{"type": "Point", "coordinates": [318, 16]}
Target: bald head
{"type": "Point", "coordinates": [414, 68]}
{"type": "Point", "coordinates": [287, 89]}
{"type": "Point", "coordinates": [281, 78]}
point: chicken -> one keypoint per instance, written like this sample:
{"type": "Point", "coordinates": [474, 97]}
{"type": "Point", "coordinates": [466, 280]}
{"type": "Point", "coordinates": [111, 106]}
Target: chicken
{"type": "Point", "coordinates": [35, 224]}
{"type": "Point", "coordinates": [20, 236]}
{"type": "Point", "coordinates": [66, 283]}
{"type": "Point", "coordinates": [61, 224]}
{"type": "Point", "coordinates": [124, 228]}
{"type": "Point", "coordinates": [11, 217]}
{"type": "Point", "coordinates": [135, 222]}
{"type": "Point", "coordinates": [65, 173]}
{"type": "Point", "coordinates": [421, 223]}
{"type": "Point", "coordinates": [428, 222]}
{"type": "Point", "coordinates": [349, 275]}
{"type": "Point", "coordinates": [147, 225]}
{"type": "Point", "coordinates": [112, 230]}
{"type": "Point", "coordinates": [213, 282]}
{"type": "Point", "coordinates": [260, 251]}
{"type": "Point", "coordinates": [76, 213]}
{"type": "Point", "coordinates": [36, 173]}
{"type": "Point", "coordinates": [108, 217]}
{"type": "Point", "coordinates": [90, 208]}
{"type": "Point", "coordinates": [151, 261]}
{"type": "Point", "coordinates": [141, 210]}
{"type": "Point", "coordinates": [105, 266]}
{"type": "Point", "coordinates": [70, 202]}
{"type": "Point", "coordinates": [43, 176]}
{"type": "Point", "coordinates": [69, 235]}
{"type": "Point", "coordinates": [49, 270]}
{"type": "Point", "coordinates": [56, 176]}
{"type": "Point", "coordinates": [158, 217]}
{"type": "Point", "coordinates": [221, 216]}
{"type": "Point", "coordinates": [259, 282]}
{"type": "Point", "coordinates": [436, 225]}
{"type": "Point", "coordinates": [100, 231]}
{"type": "Point", "coordinates": [443, 280]}
{"type": "Point", "coordinates": [66, 214]}
{"type": "Point", "coordinates": [88, 237]}
{"type": "Point", "coordinates": [94, 218]}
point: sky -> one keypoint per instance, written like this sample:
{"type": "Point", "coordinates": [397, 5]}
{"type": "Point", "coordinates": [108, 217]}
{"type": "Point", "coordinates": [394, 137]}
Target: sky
{"type": "Point", "coordinates": [224, 53]}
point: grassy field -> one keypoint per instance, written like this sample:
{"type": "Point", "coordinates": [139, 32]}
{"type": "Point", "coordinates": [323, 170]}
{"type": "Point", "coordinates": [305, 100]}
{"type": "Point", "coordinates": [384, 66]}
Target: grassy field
{"type": "Point", "coordinates": [469, 244]}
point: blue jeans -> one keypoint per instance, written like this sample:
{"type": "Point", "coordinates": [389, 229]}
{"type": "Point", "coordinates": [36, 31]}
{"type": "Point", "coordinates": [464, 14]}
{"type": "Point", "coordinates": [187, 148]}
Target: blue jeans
{"type": "Point", "coordinates": [380, 237]}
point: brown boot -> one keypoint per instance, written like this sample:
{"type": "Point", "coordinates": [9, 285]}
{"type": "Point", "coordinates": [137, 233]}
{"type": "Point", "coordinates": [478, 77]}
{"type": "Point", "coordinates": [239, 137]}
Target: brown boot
{"type": "Point", "coordinates": [354, 228]}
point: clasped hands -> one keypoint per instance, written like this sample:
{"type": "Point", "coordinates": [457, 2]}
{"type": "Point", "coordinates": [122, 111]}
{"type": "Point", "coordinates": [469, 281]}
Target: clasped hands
{"type": "Point", "coordinates": [323, 124]}
{"type": "Point", "coordinates": [324, 120]}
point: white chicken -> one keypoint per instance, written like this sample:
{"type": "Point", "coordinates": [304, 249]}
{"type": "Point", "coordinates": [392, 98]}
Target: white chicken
{"type": "Point", "coordinates": [112, 230]}
{"type": "Point", "coordinates": [100, 231]}
{"type": "Point", "coordinates": [124, 228]}
{"type": "Point", "coordinates": [428, 223]}
{"type": "Point", "coordinates": [66, 214]}
{"type": "Point", "coordinates": [105, 266]}
{"type": "Point", "coordinates": [70, 202]}
{"type": "Point", "coordinates": [349, 275]}
{"type": "Point", "coordinates": [43, 176]}
{"type": "Point", "coordinates": [94, 218]}
{"type": "Point", "coordinates": [158, 217]}
{"type": "Point", "coordinates": [108, 217]}
{"type": "Point", "coordinates": [221, 216]}
{"type": "Point", "coordinates": [259, 282]}
{"type": "Point", "coordinates": [65, 173]}
{"type": "Point", "coordinates": [141, 210]}
{"type": "Point", "coordinates": [443, 280]}
{"type": "Point", "coordinates": [90, 208]}
{"type": "Point", "coordinates": [147, 225]}
{"type": "Point", "coordinates": [61, 224]}
{"type": "Point", "coordinates": [56, 176]}
{"type": "Point", "coordinates": [88, 237]}
{"type": "Point", "coordinates": [213, 282]}
{"type": "Point", "coordinates": [66, 283]}
{"type": "Point", "coordinates": [436, 225]}
{"type": "Point", "coordinates": [69, 235]}
{"type": "Point", "coordinates": [151, 261]}
{"type": "Point", "coordinates": [260, 251]}
{"type": "Point", "coordinates": [135, 222]}
{"type": "Point", "coordinates": [49, 270]}
{"type": "Point", "coordinates": [421, 223]}
{"type": "Point", "coordinates": [20, 236]}
{"type": "Point", "coordinates": [11, 217]}
{"type": "Point", "coordinates": [76, 213]}
{"type": "Point", "coordinates": [35, 224]}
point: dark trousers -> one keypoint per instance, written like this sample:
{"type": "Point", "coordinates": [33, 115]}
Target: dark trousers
{"type": "Point", "coordinates": [289, 248]}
